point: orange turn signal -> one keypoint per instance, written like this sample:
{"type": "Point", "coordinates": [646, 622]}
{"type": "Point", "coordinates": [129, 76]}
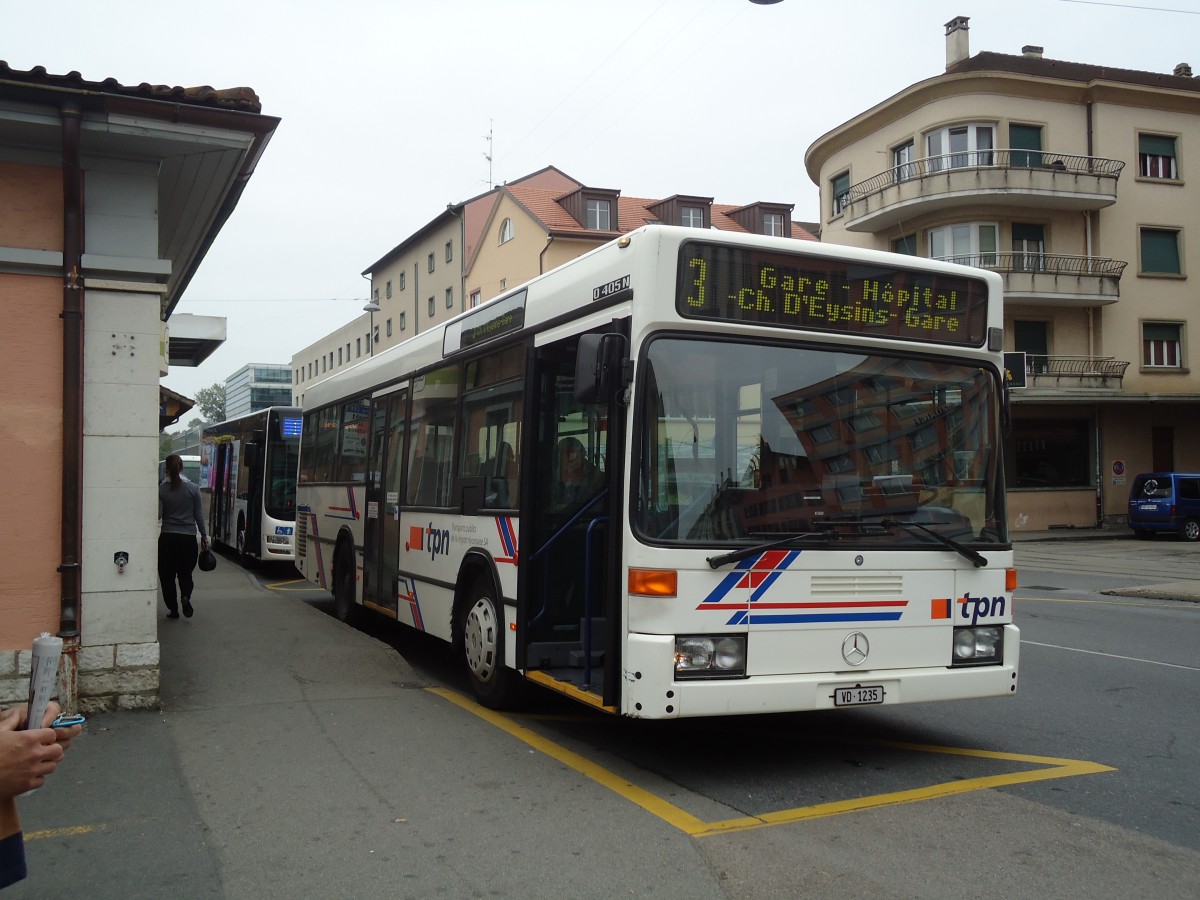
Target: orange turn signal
{"type": "Point", "coordinates": [1010, 580]}
{"type": "Point", "coordinates": [654, 582]}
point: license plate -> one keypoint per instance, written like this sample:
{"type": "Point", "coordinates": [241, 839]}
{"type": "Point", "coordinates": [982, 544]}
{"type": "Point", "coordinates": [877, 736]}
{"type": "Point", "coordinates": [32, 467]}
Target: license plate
{"type": "Point", "coordinates": [859, 695]}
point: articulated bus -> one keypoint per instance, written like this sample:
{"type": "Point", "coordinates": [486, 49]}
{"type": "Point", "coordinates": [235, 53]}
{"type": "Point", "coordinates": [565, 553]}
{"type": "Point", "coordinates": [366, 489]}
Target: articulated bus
{"type": "Point", "coordinates": [689, 473]}
{"type": "Point", "coordinates": [248, 482]}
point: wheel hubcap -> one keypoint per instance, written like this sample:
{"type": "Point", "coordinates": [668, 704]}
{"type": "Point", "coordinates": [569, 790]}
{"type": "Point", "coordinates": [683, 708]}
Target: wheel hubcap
{"type": "Point", "coordinates": [480, 635]}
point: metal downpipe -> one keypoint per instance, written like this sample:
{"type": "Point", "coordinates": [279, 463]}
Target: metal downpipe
{"type": "Point", "coordinates": [71, 562]}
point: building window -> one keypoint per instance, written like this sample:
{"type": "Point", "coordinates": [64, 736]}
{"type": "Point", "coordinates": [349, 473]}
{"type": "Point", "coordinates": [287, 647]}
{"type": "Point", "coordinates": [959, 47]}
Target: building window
{"type": "Point", "coordinates": [906, 245]}
{"type": "Point", "coordinates": [1025, 142]}
{"type": "Point", "coordinates": [840, 186]}
{"type": "Point", "coordinates": [389, 290]}
{"type": "Point", "coordinates": [773, 224]}
{"type": "Point", "coordinates": [960, 146]}
{"type": "Point", "coordinates": [1051, 453]}
{"type": "Point", "coordinates": [357, 347]}
{"type": "Point", "coordinates": [598, 218]}
{"type": "Point", "coordinates": [400, 286]}
{"type": "Point", "coordinates": [449, 298]}
{"type": "Point", "coordinates": [375, 295]}
{"type": "Point", "coordinates": [403, 318]}
{"type": "Point", "coordinates": [474, 299]}
{"type": "Point", "coordinates": [1029, 245]}
{"type": "Point", "coordinates": [339, 362]}
{"type": "Point", "coordinates": [1156, 156]}
{"type": "Point", "coordinates": [1160, 251]}
{"type": "Point", "coordinates": [449, 251]}
{"type": "Point", "coordinates": [506, 231]}
{"type": "Point", "coordinates": [432, 308]}
{"type": "Point", "coordinates": [970, 243]}
{"type": "Point", "coordinates": [389, 327]}
{"type": "Point", "coordinates": [1162, 345]}
{"type": "Point", "coordinates": [902, 161]}
{"type": "Point", "coordinates": [376, 335]}
{"type": "Point", "coordinates": [430, 262]}
{"type": "Point", "coordinates": [692, 217]}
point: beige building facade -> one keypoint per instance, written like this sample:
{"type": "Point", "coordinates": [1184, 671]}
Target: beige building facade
{"type": "Point", "coordinates": [1071, 181]}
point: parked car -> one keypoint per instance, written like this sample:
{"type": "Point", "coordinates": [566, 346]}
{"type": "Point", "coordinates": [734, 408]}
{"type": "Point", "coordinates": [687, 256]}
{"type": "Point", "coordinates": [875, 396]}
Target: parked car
{"type": "Point", "coordinates": [1165, 501]}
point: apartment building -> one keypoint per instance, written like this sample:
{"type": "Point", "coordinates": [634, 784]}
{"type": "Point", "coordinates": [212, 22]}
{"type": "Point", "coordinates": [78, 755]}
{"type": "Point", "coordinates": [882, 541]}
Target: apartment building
{"type": "Point", "coordinates": [477, 249]}
{"type": "Point", "coordinates": [1069, 179]}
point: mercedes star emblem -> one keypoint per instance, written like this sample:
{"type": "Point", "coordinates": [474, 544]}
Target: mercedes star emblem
{"type": "Point", "coordinates": [855, 648]}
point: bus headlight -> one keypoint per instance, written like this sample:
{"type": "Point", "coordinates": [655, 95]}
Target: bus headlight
{"type": "Point", "coordinates": [978, 645]}
{"type": "Point", "coordinates": [710, 656]}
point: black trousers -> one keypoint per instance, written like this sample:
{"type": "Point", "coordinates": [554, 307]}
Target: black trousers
{"type": "Point", "coordinates": [176, 560]}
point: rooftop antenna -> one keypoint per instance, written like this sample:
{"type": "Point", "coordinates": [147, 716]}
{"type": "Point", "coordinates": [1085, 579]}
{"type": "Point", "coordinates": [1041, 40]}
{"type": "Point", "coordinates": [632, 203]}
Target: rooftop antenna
{"type": "Point", "coordinates": [488, 155]}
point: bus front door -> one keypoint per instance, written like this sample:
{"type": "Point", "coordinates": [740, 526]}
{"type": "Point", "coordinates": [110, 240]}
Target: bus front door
{"type": "Point", "coordinates": [567, 598]}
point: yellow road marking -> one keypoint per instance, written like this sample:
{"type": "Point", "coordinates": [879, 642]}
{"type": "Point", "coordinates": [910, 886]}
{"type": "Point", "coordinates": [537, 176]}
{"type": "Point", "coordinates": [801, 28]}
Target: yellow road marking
{"type": "Point", "coordinates": [63, 832]}
{"type": "Point", "coordinates": [284, 585]}
{"type": "Point", "coordinates": [1053, 767]}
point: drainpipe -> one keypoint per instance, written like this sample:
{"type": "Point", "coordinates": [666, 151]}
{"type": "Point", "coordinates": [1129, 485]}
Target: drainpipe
{"type": "Point", "coordinates": [71, 560]}
{"type": "Point", "coordinates": [542, 255]}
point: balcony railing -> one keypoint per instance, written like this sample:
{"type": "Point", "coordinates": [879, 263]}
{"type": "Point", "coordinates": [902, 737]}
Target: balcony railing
{"type": "Point", "coordinates": [1049, 372]}
{"type": "Point", "coordinates": [1043, 263]}
{"type": "Point", "coordinates": [1017, 179]}
{"type": "Point", "coordinates": [1065, 163]}
{"type": "Point", "coordinates": [1053, 277]}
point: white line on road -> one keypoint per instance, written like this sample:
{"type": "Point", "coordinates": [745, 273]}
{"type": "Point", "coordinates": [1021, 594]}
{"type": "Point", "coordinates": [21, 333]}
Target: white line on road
{"type": "Point", "coordinates": [1152, 662]}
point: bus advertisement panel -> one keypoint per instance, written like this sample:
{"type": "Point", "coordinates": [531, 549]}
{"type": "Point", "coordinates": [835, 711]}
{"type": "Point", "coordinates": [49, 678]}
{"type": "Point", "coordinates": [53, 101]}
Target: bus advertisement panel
{"type": "Point", "coordinates": [686, 474]}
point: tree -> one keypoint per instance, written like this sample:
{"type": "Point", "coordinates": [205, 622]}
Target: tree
{"type": "Point", "coordinates": [210, 403]}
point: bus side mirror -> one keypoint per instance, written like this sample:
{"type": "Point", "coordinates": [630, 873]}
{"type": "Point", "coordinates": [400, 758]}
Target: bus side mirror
{"type": "Point", "coordinates": [599, 364]}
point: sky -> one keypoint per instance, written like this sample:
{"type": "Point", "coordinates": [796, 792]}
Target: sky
{"type": "Point", "coordinates": [393, 108]}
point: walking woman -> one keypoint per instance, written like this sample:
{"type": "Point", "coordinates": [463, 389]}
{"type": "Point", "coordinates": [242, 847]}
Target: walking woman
{"type": "Point", "coordinates": [181, 514]}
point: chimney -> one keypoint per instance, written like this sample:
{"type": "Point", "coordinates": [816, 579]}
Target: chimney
{"type": "Point", "coordinates": [1183, 70]}
{"type": "Point", "coordinates": [957, 43]}
{"type": "Point", "coordinates": [1031, 51]}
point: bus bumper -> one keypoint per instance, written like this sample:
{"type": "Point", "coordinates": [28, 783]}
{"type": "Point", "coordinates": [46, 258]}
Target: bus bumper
{"type": "Point", "coordinates": [653, 693]}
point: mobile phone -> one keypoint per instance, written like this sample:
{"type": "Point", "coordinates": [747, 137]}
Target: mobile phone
{"type": "Point", "coordinates": [66, 721]}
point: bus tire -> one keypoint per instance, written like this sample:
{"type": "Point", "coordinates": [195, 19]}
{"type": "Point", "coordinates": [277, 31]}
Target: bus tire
{"type": "Point", "coordinates": [344, 606]}
{"type": "Point", "coordinates": [482, 628]}
{"type": "Point", "coordinates": [241, 538]}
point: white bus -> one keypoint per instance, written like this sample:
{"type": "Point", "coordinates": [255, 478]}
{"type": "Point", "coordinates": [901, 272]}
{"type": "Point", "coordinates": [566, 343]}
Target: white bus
{"type": "Point", "coordinates": [688, 473]}
{"type": "Point", "coordinates": [248, 482]}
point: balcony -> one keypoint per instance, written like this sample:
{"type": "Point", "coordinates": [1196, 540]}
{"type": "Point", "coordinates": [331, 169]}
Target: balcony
{"type": "Point", "coordinates": [1020, 179]}
{"type": "Point", "coordinates": [1056, 279]}
{"type": "Point", "coordinates": [1051, 374]}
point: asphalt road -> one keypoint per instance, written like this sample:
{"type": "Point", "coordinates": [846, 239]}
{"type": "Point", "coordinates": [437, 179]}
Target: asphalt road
{"type": "Point", "coordinates": [1082, 785]}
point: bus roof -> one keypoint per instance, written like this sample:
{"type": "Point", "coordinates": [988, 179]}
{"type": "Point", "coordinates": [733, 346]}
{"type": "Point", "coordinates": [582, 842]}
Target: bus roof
{"type": "Point", "coordinates": [591, 270]}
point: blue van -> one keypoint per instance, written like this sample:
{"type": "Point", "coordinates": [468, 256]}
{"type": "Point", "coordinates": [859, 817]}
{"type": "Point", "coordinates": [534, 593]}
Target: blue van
{"type": "Point", "coordinates": [1165, 501]}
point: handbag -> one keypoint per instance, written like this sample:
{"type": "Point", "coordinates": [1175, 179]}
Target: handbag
{"type": "Point", "coordinates": [207, 560]}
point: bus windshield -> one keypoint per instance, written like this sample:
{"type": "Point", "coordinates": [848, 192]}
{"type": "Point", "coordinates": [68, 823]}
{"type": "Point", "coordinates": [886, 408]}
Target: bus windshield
{"type": "Point", "coordinates": [280, 494]}
{"type": "Point", "coordinates": [742, 442]}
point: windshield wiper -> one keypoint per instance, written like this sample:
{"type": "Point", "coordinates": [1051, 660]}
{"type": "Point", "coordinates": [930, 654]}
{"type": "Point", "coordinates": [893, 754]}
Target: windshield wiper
{"type": "Point", "coordinates": [977, 558]}
{"type": "Point", "coordinates": [733, 556]}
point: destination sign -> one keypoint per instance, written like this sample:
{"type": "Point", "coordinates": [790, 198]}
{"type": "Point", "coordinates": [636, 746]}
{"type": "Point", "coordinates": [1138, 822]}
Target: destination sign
{"type": "Point", "coordinates": [732, 284]}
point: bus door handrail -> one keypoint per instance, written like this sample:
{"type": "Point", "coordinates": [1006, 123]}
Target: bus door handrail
{"type": "Point", "coordinates": [550, 542]}
{"type": "Point", "coordinates": [586, 632]}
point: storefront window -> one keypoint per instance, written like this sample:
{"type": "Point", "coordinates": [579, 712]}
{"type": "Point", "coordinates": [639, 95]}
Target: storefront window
{"type": "Point", "coordinates": [1052, 453]}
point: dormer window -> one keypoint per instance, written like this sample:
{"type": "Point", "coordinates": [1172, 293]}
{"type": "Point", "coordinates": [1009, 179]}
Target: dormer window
{"type": "Point", "coordinates": [593, 208]}
{"type": "Point", "coordinates": [684, 209]}
{"type": "Point", "coordinates": [599, 215]}
{"type": "Point", "coordinates": [773, 219]}
{"type": "Point", "coordinates": [506, 231]}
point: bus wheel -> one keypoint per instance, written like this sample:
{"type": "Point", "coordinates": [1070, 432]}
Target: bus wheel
{"type": "Point", "coordinates": [344, 606]}
{"type": "Point", "coordinates": [241, 538]}
{"type": "Point", "coordinates": [483, 647]}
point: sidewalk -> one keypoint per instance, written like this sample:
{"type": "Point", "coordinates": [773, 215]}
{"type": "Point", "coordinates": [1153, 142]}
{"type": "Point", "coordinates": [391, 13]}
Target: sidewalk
{"type": "Point", "coordinates": [296, 757]}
